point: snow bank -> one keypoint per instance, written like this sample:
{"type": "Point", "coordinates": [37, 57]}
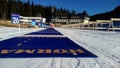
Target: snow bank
{"type": "Point", "coordinates": [9, 32]}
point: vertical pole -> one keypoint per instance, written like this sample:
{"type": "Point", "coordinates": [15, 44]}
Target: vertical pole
{"type": "Point", "coordinates": [19, 29]}
{"type": "Point", "coordinates": [96, 25]}
{"type": "Point", "coordinates": [109, 26]}
{"type": "Point", "coordinates": [112, 26]}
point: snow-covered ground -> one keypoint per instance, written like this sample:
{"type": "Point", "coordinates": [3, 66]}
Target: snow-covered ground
{"type": "Point", "coordinates": [106, 45]}
{"type": "Point", "coordinates": [7, 32]}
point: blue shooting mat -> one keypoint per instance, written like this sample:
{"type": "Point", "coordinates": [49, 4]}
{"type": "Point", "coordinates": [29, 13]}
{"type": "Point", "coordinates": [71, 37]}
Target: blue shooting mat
{"type": "Point", "coordinates": [41, 47]}
{"type": "Point", "coordinates": [48, 31]}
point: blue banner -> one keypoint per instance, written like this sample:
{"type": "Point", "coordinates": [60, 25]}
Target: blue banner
{"type": "Point", "coordinates": [33, 23]}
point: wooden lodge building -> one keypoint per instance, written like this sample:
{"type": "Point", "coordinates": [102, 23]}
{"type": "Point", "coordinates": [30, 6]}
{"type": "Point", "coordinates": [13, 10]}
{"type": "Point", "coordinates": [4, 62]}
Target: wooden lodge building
{"type": "Point", "coordinates": [64, 18]}
{"type": "Point", "coordinates": [112, 24]}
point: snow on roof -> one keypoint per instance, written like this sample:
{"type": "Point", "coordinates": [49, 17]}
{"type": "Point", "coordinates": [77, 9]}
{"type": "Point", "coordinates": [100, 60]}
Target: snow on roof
{"type": "Point", "coordinates": [117, 19]}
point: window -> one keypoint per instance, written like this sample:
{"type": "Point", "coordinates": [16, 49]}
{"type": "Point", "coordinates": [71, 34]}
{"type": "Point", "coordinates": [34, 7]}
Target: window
{"type": "Point", "coordinates": [116, 24]}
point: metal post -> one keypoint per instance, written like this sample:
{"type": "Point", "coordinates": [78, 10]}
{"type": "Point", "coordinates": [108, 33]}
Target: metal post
{"type": "Point", "coordinates": [19, 29]}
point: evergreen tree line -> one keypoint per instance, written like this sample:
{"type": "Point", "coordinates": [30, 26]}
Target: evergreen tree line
{"type": "Point", "coordinates": [30, 9]}
{"type": "Point", "coordinates": [27, 9]}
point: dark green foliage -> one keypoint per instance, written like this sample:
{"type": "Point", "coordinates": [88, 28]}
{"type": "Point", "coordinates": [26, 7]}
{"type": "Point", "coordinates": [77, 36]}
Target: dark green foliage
{"type": "Point", "coordinates": [3, 9]}
{"type": "Point", "coordinates": [30, 9]}
{"type": "Point", "coordinates": [25, 9]}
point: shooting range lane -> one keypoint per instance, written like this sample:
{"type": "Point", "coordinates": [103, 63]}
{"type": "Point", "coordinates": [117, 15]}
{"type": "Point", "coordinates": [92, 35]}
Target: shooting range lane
{"type": "Point", "coordinates": [38, 46]}
{"type": "Point", "coordinates": [49, 31]}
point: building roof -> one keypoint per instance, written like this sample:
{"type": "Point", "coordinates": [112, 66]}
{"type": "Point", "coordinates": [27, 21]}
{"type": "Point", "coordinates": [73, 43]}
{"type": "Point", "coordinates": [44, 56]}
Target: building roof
{"type": "Point", "coordinates": [61, 15]}
{"type": "Point", "coordinates": [85, 14]}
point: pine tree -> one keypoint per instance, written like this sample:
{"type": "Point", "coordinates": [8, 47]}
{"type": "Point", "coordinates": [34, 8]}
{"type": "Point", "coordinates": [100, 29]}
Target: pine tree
{"type": "Point", "coordinates": [18, 7]}
{"type": "Point", "coordinates": [32, 8]}
{"type": "Point", "coordinates": [1, 8]}
{"type": "Point", "coordinates": [4, 9]}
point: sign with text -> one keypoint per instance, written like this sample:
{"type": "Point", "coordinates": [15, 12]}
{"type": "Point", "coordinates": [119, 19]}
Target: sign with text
{"type": "Point", "coordinates": [15, 18]}
{"type": "Point", "coordinates": [46, 46]}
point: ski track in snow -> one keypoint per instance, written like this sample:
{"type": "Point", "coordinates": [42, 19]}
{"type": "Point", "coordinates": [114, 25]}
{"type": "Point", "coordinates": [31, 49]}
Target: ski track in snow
{"type": "Point", "coordinates": [106, 45]}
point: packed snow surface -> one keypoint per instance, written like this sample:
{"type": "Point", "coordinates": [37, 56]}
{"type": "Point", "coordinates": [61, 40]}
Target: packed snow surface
{"type": "Point", "coordinates": [106, 45]}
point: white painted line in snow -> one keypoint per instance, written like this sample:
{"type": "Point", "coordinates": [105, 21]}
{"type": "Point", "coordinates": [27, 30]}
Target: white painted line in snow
{"type": "Point", "coordinates": [61, 36]}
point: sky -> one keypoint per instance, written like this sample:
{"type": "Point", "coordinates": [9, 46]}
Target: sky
{"type": "Point", "coordinates": [91, 6]}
